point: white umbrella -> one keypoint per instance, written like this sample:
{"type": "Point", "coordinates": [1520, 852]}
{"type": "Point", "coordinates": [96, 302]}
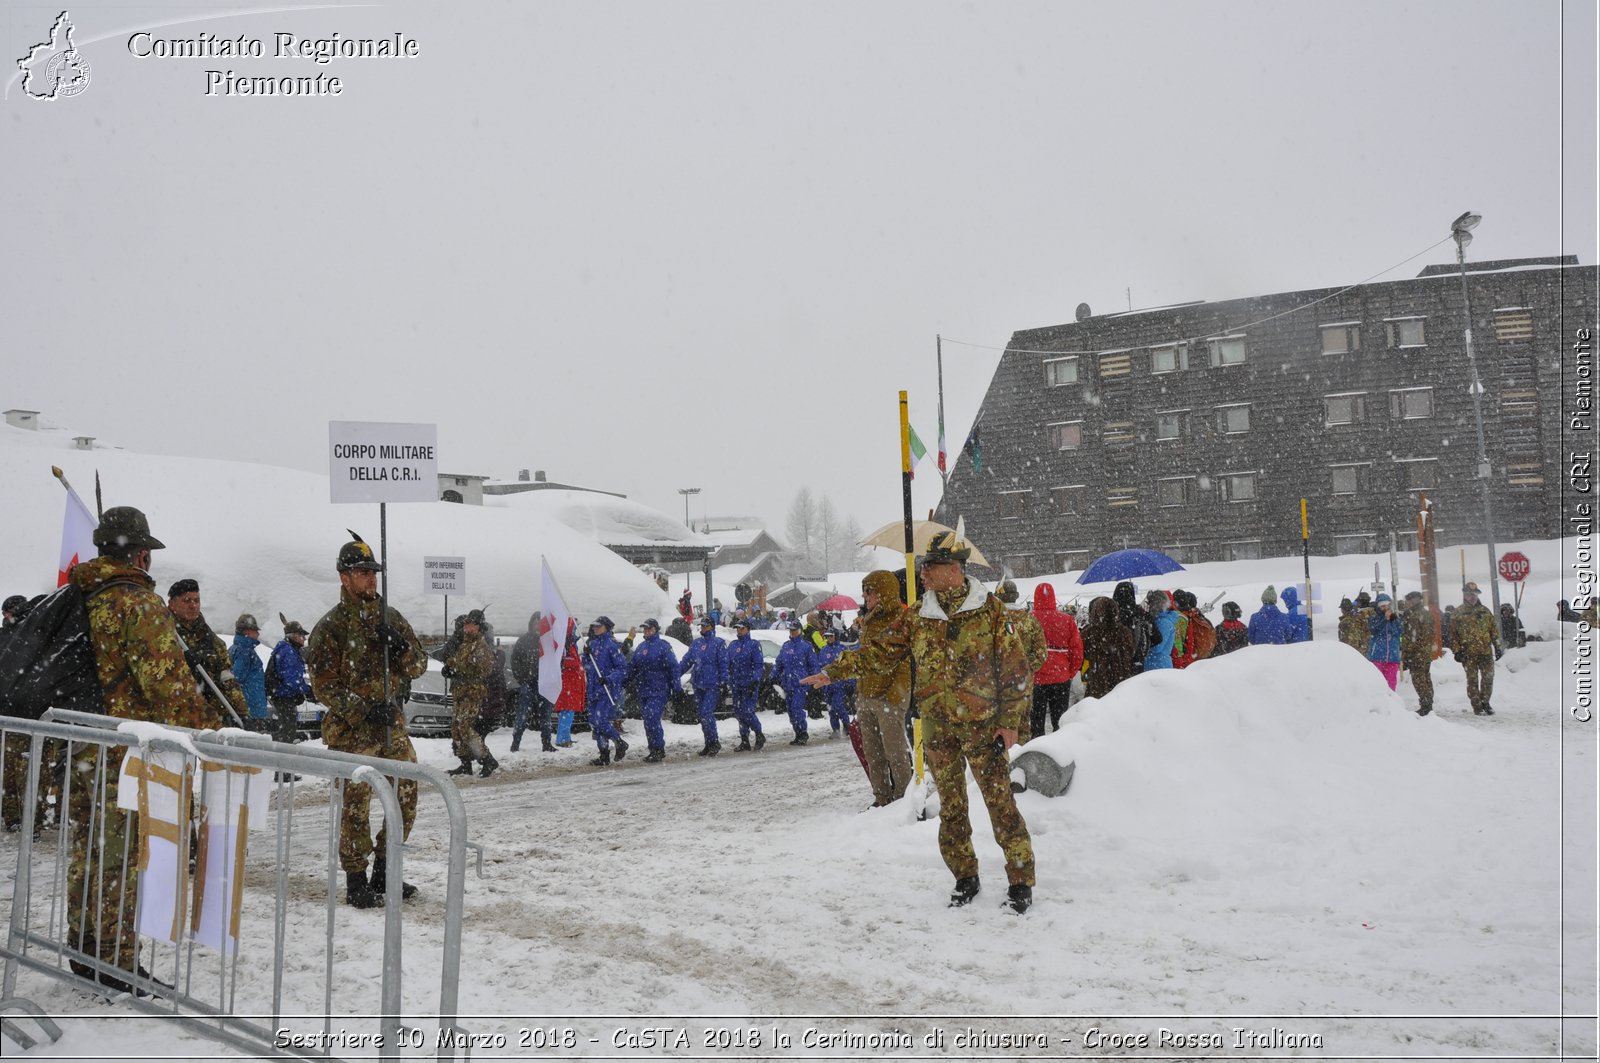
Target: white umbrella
{"type": "Point", "coordinates": [892, 536]}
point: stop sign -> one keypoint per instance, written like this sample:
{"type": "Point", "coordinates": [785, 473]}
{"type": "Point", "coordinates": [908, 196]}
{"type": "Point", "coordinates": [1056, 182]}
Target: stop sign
{"type": "Point", "coordinates": [1514, 566]}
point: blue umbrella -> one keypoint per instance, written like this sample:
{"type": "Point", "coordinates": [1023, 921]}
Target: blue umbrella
{"type": "Point", "coordinates": [1129, 564]}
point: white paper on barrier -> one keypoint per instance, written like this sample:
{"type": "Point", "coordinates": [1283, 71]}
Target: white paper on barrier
{"type": "Point", "coordinates": [232, 801]}
{"type": "Point", "coordinates": [154, 784]}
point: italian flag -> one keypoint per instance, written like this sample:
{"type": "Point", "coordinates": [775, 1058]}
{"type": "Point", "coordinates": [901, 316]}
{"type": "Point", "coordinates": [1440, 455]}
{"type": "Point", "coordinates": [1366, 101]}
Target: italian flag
{"type": "Point", "coordinates": [918, 451]}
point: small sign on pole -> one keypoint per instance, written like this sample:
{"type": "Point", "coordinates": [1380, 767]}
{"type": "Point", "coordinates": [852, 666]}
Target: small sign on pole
{"type": "Point", "coordinates": [374, 461]}
{"type": "Point", "coordinates": [444, 575]}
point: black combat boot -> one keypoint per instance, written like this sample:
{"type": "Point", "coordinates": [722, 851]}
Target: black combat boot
{"type": "Point", "coordinates": [622, 749]}
{"type": "Point", "coordinates": [380, 883]}
{"type": "Point", "coordinates": [489, 765]}
{"type": "Point", "coordinates": [358, 892]}
{"type": "Point", "coordinates": [800, 739]}
{"type": "Point", "coordinates": [711, 749]}
{"type": "Point", "coordinates": [603, 759]}
{"type": "Point", "coordinates": [966, 888]}
{"type": "Point", "coordinates": [464, 769]}
{"type": "Point", "coordinates": [1019, 898]}
{"type": "Point", "coordinates": [743, 746]}
{"type": "Point", "coordinates": [547, 747]}
{"type": "Point", "coordinates": [516, 741]}
{"type": "Point", "coordinates": [761, 739]}
{"type": "Point", "coordinates": [1424, 709]}
{"type": "Point", "coordinates": [655, 756]}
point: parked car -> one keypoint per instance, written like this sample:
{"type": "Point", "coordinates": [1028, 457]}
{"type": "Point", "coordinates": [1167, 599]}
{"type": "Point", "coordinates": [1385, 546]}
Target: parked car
{"type": "Point", "coordinates": [429, 706]}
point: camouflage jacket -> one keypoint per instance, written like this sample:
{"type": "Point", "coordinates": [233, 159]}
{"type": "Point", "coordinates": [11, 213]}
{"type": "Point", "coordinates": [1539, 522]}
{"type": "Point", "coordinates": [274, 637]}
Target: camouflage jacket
{"type": "Point", "coordinates": [1416, 641]}
{"type": "Point", "coordinates": [1031, 633]}
{"type": "Point", "coordinates": [893, 682]}
{"type": "Point", "coordinates": [198, 636]}
{"type": "Point", "coordinates": [1353, 632]}
{"type": "Point", "coordinates": [141, 668]}
{"type": "Point", "coordinates": [344, 661]}
{"type": "Point", "coordinates": [971, 664]}
{"type": "Point", "coordinates": [472, 663]}
{"type": "Point", "coordinates": [1474, 631]}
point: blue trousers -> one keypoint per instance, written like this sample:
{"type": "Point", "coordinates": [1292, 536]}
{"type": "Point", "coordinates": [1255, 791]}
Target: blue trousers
{"type": "Point", "coordinates": [600, 712]}
{"type": "Point", "coordinates": [564, 727]}
{"type": "Point", "coordinates": [706, 702]}
{"type": "Point", "coordinates": [744, 710]}
{"type": "Point", "coordinates": [838, 715]}
{"type": "Point", "coordinates": [797, 707]}
{"type": "Point", "coordinates": [652, 706]}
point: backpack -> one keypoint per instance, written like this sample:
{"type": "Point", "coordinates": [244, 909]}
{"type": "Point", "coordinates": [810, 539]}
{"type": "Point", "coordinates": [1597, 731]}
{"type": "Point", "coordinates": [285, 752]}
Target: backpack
{"type": "Point", "coordinates": [274, 690]}
{"type": "Point", "coordinates": [1204, 636]}
{"type": "Point", "coordinates": [47, 660]}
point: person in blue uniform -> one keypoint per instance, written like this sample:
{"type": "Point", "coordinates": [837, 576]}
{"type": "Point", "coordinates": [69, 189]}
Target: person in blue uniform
{"type": "Point", "coordinates": [746, 663]}
{"type": "Point", "coordinates": [604, 669]}
{"type": "Point", "coordinates": [706, 665]}
{"type": "Point", "coordinates": [795, 661]}
{"type": "Point", "coordinates": [653, 669]}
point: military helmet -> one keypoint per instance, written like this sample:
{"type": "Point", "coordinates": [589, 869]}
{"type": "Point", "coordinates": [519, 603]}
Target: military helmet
{"type": "Point", "coordinates": [126, 526]}
{"type": "Point", "coordinates": [1007, 591]}
{"type": "Point", "coordinates": [946, 547]}
{"type": "Point", "coordinates": [357, 556]}
{"type": "Point", "coordinates": [1469, 588]}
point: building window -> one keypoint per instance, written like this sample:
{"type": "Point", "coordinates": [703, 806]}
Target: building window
{"type": "Point", "coordinates": [1341, 338]}
{"type": "Point", "coordinates": [1238, 486]}
{"type": "Point", "coordinates": [1349, 479]}
{"type": "Point", "coordinates": [1242, 550]}
{"type": "Point", "coordinates": [1231, 420]}
{"type": "Point", "coordinates": [1175, 491]}
{"type": "Point", "coordinates": [1072, 560]}
{"type": "Point", "coordinates": [1513, 323]}
{"type": "Point", "coordinates": [1115, 363]}
{"type": "Point", "coordinates": [1021, 564]}
{"type": "Point", "coordinates": [1183, 553]}
{"type": "Point", "coordinates": [1411, 404]}
{"type": "Point", "coordinates": [1420, 474]}
{"type": "Point", "coordinates": [1012, 505]}
{"type": "Point", "coordinates": [1227, 350]}
{"type": "Point", "coordinates": [1066, 435]}
{"type": "Point", "coordinates": [1405, 332]}
{"type": "Point", "coordinates": [1118, 497]}
{"type": "Point", "coordinates": [1068, 501]}
{"type": "Point", "coordinates": [1172, 424]}
{"type": "Point", "coordinates": [1405, 541]}
{"type": "Point", "coordinates": [1169, 359]}
{"type": "Point", "coordinates": [1059, 371]}
{"type": "Point", "coordinates": [1356, 543]}
{"type": "Point", "coordinates": [1118, 433]}
{"type": "Point", "coordinates": [1347, 409]}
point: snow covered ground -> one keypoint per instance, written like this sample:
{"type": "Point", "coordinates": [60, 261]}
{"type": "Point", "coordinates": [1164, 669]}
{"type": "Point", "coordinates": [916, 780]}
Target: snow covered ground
{"type": "Point", "coordinates": [1271, 842]}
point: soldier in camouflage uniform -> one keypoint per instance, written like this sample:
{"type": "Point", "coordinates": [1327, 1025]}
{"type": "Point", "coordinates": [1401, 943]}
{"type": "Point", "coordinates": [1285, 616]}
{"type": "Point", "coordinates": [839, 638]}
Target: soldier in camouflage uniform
{"type": "Point", "coordinates": [1036, 646]}
{"type": "Point", "coordinates": [1416, 648]}
{"type": "Point", "coordinates": [1352, 628]}
{"type": "Point", "coordinates": [468, 670]}
{"type": "Point", "coordinates": [345, 663]}
{"type": "Point", "coordinates": [143, 676]}
{"type": "Point", "coordinates": [204, 648]}
{"type": "Point", "coordinates": [973, 675]}
{"type": "Point", "coordinates": [1475, 641]}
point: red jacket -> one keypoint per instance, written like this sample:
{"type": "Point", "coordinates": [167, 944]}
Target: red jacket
{"type": "Point", "coordinates": [1060, 635]}
{"type": "Point", "coordinates": [573, 685]}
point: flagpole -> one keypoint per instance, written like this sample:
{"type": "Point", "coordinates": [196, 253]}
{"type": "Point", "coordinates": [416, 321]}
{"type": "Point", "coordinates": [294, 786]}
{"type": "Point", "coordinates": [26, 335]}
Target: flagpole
{"type": "Point", "coordinates": [938, 349]}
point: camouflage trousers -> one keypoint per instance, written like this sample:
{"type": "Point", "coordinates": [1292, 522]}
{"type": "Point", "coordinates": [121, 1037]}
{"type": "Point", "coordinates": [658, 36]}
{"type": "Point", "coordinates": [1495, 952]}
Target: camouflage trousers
{"type": "Point", "coordinates": [951, 749]}
{"type": "Point", "coordinates": [103, 868]}
{"type": "Point", "coordinates": [465, 741]}
{"type": "Point", "coordinates": [1480, 678]}
{"type": "Point", "coordinates": [1422, 680]}
{"type": "Point", "coordinates": [14, 769]}
{"type": "Point", "coordinates": [883, 743]}
{"type": "Point", "coordinates": [356, 844]}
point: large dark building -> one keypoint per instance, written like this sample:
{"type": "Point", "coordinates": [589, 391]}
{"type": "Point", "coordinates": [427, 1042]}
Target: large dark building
{"type": "Point", "coordinates": [1198, 428]}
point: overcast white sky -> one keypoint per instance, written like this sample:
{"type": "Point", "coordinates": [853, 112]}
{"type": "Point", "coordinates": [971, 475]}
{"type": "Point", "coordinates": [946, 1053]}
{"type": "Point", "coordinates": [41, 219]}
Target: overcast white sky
{"type": "Point", "coordinates": [646, 246]}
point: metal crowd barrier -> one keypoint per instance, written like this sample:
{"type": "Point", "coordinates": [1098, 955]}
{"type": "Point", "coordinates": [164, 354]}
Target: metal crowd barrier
{"type": "Point", "coordinates": [204, 988]}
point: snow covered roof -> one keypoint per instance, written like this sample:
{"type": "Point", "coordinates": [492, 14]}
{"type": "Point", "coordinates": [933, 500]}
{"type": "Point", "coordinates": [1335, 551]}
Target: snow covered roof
{"type": "Point", "coordinates": [607, 519]}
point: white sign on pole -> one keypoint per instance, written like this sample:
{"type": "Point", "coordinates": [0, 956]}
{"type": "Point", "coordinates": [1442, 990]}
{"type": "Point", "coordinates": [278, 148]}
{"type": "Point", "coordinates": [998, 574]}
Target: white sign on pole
{"type": "Point", "coordinates": [373, 461]}
{"type": "Point", "coordinates": [444, 575]}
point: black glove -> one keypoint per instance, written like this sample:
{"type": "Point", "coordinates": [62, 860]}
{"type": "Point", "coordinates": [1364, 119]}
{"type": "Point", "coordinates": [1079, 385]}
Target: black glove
{"type": "Point", "coordinates": [396, 643]}
{"type": "Point", "coordinates": [448, 672]}
{"type": "Point", "coordinates": [196, 659]}
{"type": "Point", "coordinates": [381, 714]}
{"type": "Point", "coordinates": [1457, 655]}
{"type": "Point", "coordinates": [1499, 652]}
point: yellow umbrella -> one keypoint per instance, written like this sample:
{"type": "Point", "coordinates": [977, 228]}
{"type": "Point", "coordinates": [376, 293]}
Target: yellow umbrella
{"type": "Point", "coordinates": [892, 536]}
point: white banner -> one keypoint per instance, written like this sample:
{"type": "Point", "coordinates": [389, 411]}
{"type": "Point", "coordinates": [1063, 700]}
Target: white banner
{"type": "Point", "coordinates": [374, 461]}
{"type": "Point", "coordinates": [554, 619]}
{"type": "Point", "coordinates": [444, 575]}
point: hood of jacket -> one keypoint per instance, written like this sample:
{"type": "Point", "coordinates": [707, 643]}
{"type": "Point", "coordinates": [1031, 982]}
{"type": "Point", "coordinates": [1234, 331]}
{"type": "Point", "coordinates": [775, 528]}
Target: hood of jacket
{"type": "Point", "coordinates": [1102, 611]}
{"type": "Point", "coordinates": [1044, 599]}
{"type": "Point", "coordinates": [1290, 599]}
{"type": "Point", "coordinates": [89, 576]}
{"type": "Point", "coordinates": [886, 586]}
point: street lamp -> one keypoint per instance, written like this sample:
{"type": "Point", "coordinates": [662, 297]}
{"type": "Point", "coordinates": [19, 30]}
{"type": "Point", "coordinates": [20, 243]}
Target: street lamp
{"type": "Point", "coordinates": [1461, 232]}
{"type": "Point", "coordinates": [689, 571]}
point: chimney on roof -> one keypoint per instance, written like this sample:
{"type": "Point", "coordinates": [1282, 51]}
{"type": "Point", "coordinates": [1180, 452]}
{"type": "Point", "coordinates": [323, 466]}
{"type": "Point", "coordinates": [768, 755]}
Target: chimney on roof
{"type": "Point", "coordinates": [522, 475]}
{"type": "Point", "coordinates": [538, 476]}
{"type": "Point", "coordinates": [28, 419]}
{"type": "Point", "coordinates": [83, 442]}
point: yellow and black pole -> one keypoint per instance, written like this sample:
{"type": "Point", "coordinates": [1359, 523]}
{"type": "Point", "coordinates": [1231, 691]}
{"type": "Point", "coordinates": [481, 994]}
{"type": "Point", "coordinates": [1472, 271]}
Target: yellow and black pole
{"type": "Point", "coordinates": [911, 555]}
{"type": "Point", "coordinates": [1305, 555]}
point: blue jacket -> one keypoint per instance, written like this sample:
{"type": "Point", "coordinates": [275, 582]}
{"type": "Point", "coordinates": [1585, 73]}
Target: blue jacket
{"type": "Point", "coordinates": [1160, 655]}
{"type": "Point", "coordinates": [796, 660]}
{"type": "Point", "coordinates": [746, 662]}
{"type": "Point", "coordinates": [826, 656]}
{"type": "Point", "coordinates": [251, 675]}
{"type": "Point", "coordinates": [1299, 625]}
{"type": "Point", "coordinates": [1269, 626]}
{"type": "Point", "coordinates": [1385, 642]}
{"type": "Point", "coordinates": [604, 670]}
{"type": "Point", "coordinates": [706, 662]}
{"type": "Point", "coordinates": [653, 668]}
{"type": "Point", "coordinates": [288, 673]}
